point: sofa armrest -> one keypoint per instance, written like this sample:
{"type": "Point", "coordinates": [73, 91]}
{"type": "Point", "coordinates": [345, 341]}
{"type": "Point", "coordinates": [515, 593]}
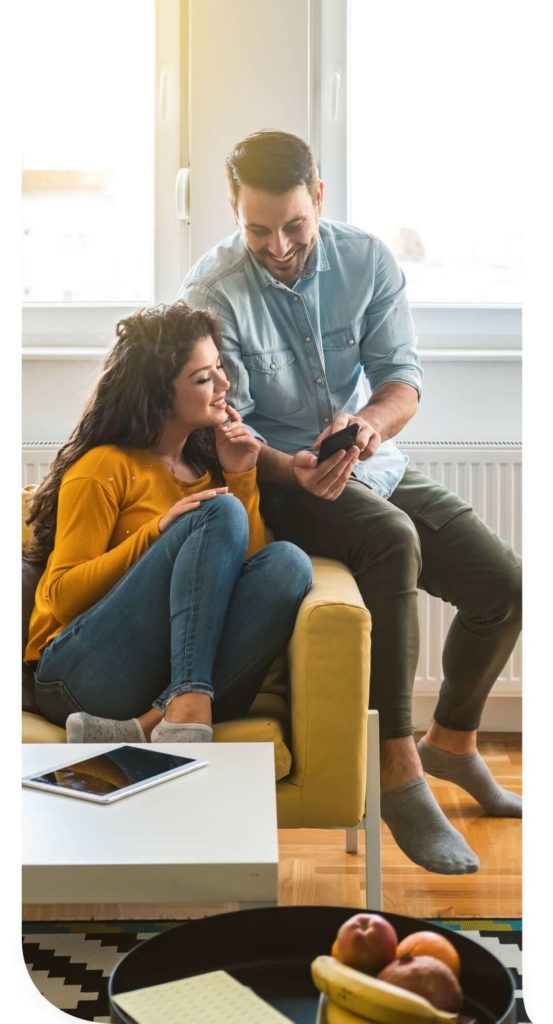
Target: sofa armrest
{"type": "Point", "coordinates": [329, 693]}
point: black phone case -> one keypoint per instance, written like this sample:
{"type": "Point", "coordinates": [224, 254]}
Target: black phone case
{"type": "Point", "coordinates": [341, 439]}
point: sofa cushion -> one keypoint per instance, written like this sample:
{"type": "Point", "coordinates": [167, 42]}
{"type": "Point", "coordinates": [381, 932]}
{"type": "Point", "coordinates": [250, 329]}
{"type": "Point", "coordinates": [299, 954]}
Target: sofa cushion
{"type": "Point", "coordinates": [37, 730]}
{"type": "Point", "coordinates": [257, 728]}
{"type": "Point", "coordinates": [265, 723]}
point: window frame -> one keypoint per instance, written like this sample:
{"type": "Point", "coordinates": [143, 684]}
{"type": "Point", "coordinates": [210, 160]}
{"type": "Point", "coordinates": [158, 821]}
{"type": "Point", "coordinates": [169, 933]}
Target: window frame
{"type": "Point", "coordinates": [451, 331]}
{"type": "Point", "coordinates": [83, 330]}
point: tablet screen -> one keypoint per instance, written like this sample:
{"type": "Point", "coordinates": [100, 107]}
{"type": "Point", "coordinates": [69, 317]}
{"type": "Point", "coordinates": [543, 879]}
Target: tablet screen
{"type": "Point", "coordinates": [113, 771]}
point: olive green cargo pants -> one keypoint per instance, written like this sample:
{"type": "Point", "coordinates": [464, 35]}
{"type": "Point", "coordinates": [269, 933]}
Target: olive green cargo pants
{"type": "Point", "coordinates": [427, 537]}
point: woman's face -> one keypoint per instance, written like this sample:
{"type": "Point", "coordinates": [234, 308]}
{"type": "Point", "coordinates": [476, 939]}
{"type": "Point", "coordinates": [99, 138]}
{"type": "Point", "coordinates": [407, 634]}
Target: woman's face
{"type": "Point", "coordinates": [200, 389]}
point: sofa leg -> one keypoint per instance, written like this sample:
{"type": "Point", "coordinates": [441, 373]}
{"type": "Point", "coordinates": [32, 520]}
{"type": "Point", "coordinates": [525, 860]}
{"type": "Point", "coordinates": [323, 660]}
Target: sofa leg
{"type": "Point", "coordinates": [372, 816]}
{"type": "Point", "coordinates": [352, 840]}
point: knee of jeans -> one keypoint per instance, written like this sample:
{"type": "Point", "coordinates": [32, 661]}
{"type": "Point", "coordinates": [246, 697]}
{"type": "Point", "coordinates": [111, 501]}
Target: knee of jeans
{"type": "Point", "coordinates": [292, 564]}
{"type": "Point", "coordinates": [230, 512]}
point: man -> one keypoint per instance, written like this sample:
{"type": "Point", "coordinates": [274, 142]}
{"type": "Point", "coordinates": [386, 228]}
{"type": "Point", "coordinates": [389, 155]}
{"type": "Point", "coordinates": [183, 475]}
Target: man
{"type": "Point", "coordinates": [310, 310]}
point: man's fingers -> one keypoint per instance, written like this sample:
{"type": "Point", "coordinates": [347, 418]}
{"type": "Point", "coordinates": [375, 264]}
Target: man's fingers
{"type": "Point", "coordinates": [340, 421]}
{"type": "Point", "coordinates": [340, 473]}
{"type": "Point", "coordinates": [333, 466]}
{"type": "Point", "coordinates": [371, 448]}
{"type": "Point", "coordinates": [342, 480]}
{"type": "Point", "coordinates": [319, 440]}
{"type": "Point", "coordinates": [305, 460]}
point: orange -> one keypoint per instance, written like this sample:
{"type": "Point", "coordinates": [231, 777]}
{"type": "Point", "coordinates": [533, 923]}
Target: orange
{"type": "Point", "coordinates": [431, 944]}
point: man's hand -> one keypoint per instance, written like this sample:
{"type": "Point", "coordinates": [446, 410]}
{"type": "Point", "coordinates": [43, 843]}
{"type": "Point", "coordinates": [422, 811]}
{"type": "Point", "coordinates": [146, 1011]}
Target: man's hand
{"type": "Point", "coordinates": [327, 479]}
{"type": "Point", "coordinates": [368, 439]}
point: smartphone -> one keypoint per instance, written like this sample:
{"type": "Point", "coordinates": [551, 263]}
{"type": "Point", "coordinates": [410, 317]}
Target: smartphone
{"type": "Point", "coordinates": [341, 439]}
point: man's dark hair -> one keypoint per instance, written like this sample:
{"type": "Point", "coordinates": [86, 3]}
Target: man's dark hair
{"type": "Point", "coordinates": [272, 161]}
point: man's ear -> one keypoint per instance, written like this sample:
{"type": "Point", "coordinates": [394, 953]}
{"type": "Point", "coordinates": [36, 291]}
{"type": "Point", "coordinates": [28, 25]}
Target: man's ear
{"type": "Point", "coordinates": [319, 194]}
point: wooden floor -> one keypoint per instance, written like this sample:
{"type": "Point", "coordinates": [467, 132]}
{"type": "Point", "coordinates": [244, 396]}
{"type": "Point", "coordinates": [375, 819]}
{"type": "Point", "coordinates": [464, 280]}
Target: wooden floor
{"type": "Point", "coordinates": [315, 869]}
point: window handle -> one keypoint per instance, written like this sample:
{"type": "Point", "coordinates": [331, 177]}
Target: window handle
{"type": "Point", "coordinates": [335, 87]}
{"type": "Point", "coordinates": [182, 193]}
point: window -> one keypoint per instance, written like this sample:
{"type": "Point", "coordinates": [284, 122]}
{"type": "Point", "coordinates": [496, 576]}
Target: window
{"type": "Point", "coordinates": [88, 157]}
{"type": "Point", "coordinates": [102, 146]}
{"type": "Point", "coordinates": [424, 99]}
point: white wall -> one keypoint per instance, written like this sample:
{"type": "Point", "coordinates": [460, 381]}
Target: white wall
{"type": "Point", "coordinates": [249, 72]}
{"type": "Point", "coordinates": [250, 69]}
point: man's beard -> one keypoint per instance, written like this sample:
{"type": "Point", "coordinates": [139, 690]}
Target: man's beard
{"type": "Point", "coordinates": [286, 271]}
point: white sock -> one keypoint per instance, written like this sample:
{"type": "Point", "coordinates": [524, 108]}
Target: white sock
{"type": "Point", "coordinates": [83, 728]}
{"type": "Point", "coordinates": [181, 732]}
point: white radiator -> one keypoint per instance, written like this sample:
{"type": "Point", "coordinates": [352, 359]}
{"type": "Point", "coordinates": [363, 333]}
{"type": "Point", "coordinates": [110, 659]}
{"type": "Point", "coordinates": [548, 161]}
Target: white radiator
{"type": "Point", "coordinates": [37, 456]}
{"type": "Point", "coordinates": [488, 474]}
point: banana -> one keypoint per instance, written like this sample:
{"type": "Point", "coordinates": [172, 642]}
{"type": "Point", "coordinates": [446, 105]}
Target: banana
{"type": "Point", "coordinates": [334, 1014]}
{"type": "Point", "coordinates": [372, 999]}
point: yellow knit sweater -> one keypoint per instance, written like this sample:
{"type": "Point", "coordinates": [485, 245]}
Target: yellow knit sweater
{"type": "Point", "coordinates": [110, 504]}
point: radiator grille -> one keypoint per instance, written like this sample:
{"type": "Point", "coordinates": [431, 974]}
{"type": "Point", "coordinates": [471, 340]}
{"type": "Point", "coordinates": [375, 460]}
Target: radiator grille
{"type": "Point", "coordinates": [488, 474]}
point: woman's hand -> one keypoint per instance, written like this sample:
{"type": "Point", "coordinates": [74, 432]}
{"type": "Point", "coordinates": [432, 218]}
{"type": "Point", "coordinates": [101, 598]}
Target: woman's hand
{"type": "Point", "coordinates": [237, 448]}
{"type": "Point", "coordinates": [189, 504]}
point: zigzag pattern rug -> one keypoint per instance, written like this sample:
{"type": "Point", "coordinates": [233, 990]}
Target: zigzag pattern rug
{"type": "Point", "coordinates": [70, 963]}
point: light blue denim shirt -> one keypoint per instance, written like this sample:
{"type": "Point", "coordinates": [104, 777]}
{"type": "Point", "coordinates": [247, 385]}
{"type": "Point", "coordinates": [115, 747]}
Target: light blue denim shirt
{"type": "Point", "coordinates": [298, 356]}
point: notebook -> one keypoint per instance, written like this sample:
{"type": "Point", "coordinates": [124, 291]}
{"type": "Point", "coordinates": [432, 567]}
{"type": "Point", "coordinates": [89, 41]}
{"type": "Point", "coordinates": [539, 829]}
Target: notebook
{"type": "Point", "coordinates": [204, 999]}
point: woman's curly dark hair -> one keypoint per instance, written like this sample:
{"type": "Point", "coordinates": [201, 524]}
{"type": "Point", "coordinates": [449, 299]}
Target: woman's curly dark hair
{"type": "Point", "coordinates": [130, 404]}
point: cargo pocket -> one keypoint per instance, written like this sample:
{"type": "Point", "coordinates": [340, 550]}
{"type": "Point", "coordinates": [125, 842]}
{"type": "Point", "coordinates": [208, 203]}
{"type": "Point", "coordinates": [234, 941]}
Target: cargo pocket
{"type": "Point", "coordinates": [442, 511]}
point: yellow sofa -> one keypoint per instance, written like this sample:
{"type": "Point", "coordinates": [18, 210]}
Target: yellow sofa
{"type": "Point", "coordinates": [313, 708]}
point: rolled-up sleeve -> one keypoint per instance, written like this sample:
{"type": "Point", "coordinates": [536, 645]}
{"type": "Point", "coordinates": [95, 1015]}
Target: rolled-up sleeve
{"type": "Point", "coordinates": [388, 345]}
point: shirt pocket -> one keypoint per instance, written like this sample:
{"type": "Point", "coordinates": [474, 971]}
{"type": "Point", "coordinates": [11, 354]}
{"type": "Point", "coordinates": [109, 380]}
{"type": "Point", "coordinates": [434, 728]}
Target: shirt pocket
{"type": "Point", "coordinates": [341, 356]}
{"type": "Point", "coordinates": [274, 380]}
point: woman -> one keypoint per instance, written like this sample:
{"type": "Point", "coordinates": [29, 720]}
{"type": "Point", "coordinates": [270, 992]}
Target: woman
{"type": "Point", "coordinates": [160, 608]}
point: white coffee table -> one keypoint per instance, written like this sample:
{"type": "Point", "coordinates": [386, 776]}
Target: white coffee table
{"type": "Point", "coordinates": [207, 837]}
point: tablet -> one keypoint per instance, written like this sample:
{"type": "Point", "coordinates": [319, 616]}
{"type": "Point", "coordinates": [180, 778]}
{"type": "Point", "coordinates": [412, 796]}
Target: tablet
{"type": "Point", "coordinates": [110, 776]}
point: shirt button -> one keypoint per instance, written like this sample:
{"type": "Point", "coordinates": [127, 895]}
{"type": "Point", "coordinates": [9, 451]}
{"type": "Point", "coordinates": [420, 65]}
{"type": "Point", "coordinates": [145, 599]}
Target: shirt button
{"type": "Point", "coordinates": [351, 341]}
{"type": "Point", "coordinates": [273, 366]}
{"type": "Point", "coordinates": [296, 298]}
{"type": "Point", "coordinates": [308, 337]}
{"type": "Point", "coordinates": [326, 419]}
{"type": "Point", "coordinates": [318, 380]}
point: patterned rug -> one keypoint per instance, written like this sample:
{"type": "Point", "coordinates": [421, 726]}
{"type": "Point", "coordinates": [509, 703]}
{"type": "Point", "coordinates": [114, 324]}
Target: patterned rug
{"type": "Point", "coordinates": [70, 963]}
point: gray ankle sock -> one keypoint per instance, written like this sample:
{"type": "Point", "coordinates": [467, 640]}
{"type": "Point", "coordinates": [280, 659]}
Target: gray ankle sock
{"type": "Point", "coordinates": [471, 772]}
{"type": "Point", "coordinates": [83, 728]}
{"type": "Point", "coordinates": [181, 732]}
{"type": "Point", "coordinates": [422, 831]}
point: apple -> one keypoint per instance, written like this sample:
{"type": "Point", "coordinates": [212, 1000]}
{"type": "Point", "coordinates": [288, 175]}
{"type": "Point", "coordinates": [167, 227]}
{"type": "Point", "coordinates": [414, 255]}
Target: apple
{"type": "Point", "coordinates": [367, 942]}
{"type": "Point", "coordinates": [428, 977]}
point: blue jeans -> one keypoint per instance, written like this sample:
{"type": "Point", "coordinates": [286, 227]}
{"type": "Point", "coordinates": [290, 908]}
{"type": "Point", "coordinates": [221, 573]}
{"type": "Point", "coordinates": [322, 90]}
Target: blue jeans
{"type": "Point", "coordinates": [189, 615]}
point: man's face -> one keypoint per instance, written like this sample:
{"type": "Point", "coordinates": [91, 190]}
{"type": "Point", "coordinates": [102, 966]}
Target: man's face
{"type": "Point", "coordinates": [280, 231]}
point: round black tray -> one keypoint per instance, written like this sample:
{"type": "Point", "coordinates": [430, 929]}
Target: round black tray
{"type": "Point", "coordinates": [271, 950]}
